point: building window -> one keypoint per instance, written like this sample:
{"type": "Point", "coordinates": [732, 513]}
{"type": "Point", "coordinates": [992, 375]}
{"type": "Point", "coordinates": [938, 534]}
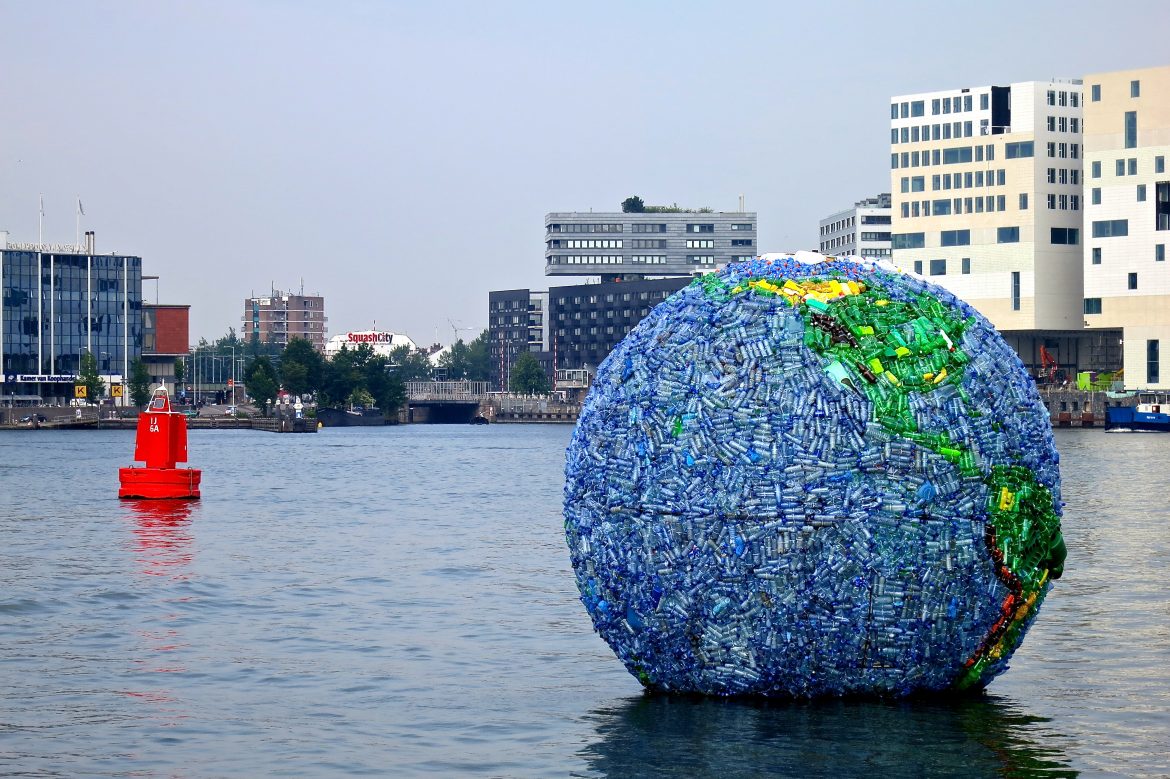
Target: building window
{"type": "Point", "coordinates": [709, 228]}
{"type": "Point", "coordinates": [1119, 167]}
{"type": "Point", "coordinates": [1015, 290]}
{"type": "Point", "coordinates": [1132, 165]}
{"type": "Point", "coordinates": [1135, 89]}
{"type": "Point", "coordinates": [1096, 169]}
{"type": "Point", "coordinates": [1110, 228]}
{"type": "Point", "coordinates": [1141, 193]}
{"type": "Point", "coordinates": [908, 240]}
{"type": "Point", "coordinates": [1092, 305]}
{"type": "Point", "coordinates": [1153, 374]}
{"type": "Point", "coordinates": [1096, 255]}
{"type": "Point", "coordinates": [983, 101]}
{"type": "Point", "coordinates": [739, 226]}
{"type": "Point", "coordinates": [741, 241]}
{"type": "Point", "coordinates": [1162, 205]}
{"type": "Point", "coordinates": [940, 208]}
{"type": "Point", "coordinates": [1023, 201]}
{"type": "Point", "coordinates": [938, 267]}
{"type": "Point", "coordinates": [1159, 252]}
{"type": "Point", "coordinates": [1160, 164]}
{"type": "Point", "coordinates": [1131, 129]}
{"type": "Point", "coordinates": [1007, 235]}
{"type": "Point", "coordinates": [955, 238]}
{"type": "Point", "coordinates": [1066, 236]}
{"type": "Point", "coordinates": [957, 154]}
{"type": "Point", "coordinates": [1017, 150]}
{"type": "Point", "coordinates": [1131, 283]}
{"type": "Point", "coordinates": [1095, 193]}
{"type": "Point", "coordinates": [1095, 93]}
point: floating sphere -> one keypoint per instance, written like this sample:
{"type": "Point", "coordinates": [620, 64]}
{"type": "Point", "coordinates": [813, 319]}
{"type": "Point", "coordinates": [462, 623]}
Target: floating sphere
{"type": "Point", "coordinates": [805, 476]}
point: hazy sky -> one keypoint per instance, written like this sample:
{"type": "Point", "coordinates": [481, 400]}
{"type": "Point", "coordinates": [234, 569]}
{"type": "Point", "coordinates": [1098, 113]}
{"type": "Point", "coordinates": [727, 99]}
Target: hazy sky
{"type": "Point", "coordinates": [400, 157]}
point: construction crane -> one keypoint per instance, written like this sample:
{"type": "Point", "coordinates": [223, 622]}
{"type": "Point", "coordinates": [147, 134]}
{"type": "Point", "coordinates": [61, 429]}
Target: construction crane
{"type": "Point", "coordinates": [456, 330]}
{"type": "Point", "coordinates": [1050, 371]}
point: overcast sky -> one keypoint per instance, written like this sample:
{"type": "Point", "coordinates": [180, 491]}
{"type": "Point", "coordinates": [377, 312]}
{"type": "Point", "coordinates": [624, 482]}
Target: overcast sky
{"type": "Point", "coordinates": [399, 157]}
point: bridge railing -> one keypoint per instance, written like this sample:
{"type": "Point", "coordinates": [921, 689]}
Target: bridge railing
{"type": "Point", "coordinates": [447, 390]}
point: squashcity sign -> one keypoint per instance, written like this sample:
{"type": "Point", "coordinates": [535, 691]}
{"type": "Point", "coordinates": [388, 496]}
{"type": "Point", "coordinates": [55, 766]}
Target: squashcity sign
{"type": "Point", "coordinates": [369, 338]}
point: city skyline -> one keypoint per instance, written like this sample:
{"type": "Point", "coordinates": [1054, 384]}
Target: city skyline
{"type": "Point", "coordinates": [399, 160]}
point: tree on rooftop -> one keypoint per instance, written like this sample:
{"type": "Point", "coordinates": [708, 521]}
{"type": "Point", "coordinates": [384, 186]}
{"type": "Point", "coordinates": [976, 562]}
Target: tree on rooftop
{"type": "Point", "coordinates": [633, 205]}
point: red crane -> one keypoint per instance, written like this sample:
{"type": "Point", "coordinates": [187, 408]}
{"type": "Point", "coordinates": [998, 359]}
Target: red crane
{"type": "Point", "coordinates": [1050, 372]}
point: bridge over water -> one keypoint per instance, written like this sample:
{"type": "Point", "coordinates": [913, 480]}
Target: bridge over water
{"type": "Point", "coordinates": [462, 401]}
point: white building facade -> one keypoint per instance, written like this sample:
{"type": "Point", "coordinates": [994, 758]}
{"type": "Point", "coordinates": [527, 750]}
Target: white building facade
{"type": "Point", "coordinates": [986, 185]}
{"type": "Point", "coordinates": [863, 230]}
{"type": "Point", "coordinates": [382, 342]}
{"type": "Point", "coordinates": [1127, 217]}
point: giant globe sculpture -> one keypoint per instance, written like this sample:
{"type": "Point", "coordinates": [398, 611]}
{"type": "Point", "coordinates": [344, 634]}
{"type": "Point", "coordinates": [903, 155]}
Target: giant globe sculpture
{"type": "Point", "coordinates": [805, 476]}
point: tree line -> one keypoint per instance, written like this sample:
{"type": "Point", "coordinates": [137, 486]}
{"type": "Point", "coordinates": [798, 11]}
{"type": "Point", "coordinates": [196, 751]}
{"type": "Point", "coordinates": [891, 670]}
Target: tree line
{"type": "Point", "coordinates": [358, 377]}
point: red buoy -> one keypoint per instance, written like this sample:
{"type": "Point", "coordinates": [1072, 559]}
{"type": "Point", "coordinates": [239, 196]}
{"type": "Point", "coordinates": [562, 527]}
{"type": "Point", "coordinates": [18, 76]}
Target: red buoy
{"type": "Point", "coordinates": [161, 442]}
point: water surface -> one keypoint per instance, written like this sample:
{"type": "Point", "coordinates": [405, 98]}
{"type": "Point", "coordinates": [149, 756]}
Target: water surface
{"type": "Point", "coordinates": [399, 601]}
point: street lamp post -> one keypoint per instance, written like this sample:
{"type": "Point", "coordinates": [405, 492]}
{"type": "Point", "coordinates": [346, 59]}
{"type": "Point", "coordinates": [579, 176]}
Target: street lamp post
{"type": "Point", "coordinates": [233, 375]}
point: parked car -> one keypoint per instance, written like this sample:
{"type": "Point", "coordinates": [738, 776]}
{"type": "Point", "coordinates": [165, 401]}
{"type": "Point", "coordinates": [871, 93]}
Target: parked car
{"type": "Point", "coordinates": [28, 419]}
{"type": "Point", "coordinates": [230, 411]}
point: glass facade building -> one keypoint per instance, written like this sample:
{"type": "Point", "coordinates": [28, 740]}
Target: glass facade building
{"type": "Point", "coordinates": [58, 305]}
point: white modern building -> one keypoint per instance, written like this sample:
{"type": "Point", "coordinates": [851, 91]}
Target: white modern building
{"type": "Point", "coordinates": [382, 342]}
{"type": "Point", "coordinates": [1127, 216]}
{"type": "Point", "coordinates": [863, 230]}
{"type": "Point", "coordinates": [986, 186]}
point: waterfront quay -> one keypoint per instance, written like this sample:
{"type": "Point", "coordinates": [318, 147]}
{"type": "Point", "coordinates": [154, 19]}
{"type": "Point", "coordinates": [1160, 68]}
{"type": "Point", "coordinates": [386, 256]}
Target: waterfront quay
{"type": "Point", "coordinates": [459, 403]}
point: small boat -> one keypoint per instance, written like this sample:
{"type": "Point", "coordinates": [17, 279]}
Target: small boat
{"type": "Point", "coordinates": [1151, 414]}
{"type": "Point", "coordinates": [335, 417]}
{"type": "Point", "coordinates": [478, 420]}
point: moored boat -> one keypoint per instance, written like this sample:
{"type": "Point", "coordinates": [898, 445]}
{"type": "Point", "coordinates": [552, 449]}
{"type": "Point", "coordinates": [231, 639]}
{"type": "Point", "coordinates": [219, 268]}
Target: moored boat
{"type": "Point", "coordinates": [1151, 414]}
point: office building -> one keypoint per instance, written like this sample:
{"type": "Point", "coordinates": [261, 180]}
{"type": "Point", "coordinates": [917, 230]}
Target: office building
{"type": "Point", "coordinates": [517, 323]}
{"type": "Point", "coordinates": [281, 316]}
{"type": "Point", "coordinates": [616, 245]}
{"type": "Point", "coordinates": [1127, 216]}
{"type": "Point", "coordinates": [863, 230]}
{"type": "Point", "coordinates": [165, 338]}
{"type": "Point", "coordinates": [588, 320]}
{"type": "Point", "coordinates": [60, 302]}
{"type": "Point", "coordinates": [987, 202]}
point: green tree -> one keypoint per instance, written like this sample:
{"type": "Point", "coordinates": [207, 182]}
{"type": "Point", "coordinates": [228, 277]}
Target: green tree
{"type": "Point", "coordinates": [479, 358]}
{"type": "Point", "coordinates": [456, 361]}
{"type": "Point", "coordinates": [528, 378]}
{"type": "Point", "coordinates": [139, 383]}
{"type": "Point", "coordinates": [387, 389]}
{"type": "Point", "coordinates": [301, 367]}
{"type": "Point", "coordinates": [180, 371]}
{"type": "Point", "coordinates": [410, 365]}
{"type": "Point", "coordinates": [633, 205]}
{"type": "Point", "coordinates": [260, 381]}
{"type": "Point", "coordinates": [88, 376]}
{"type": "Point", "coordinates": [344, 374]}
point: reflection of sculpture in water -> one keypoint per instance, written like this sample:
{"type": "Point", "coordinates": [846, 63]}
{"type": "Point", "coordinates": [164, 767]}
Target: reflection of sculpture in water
{"type": "Point", "coordinates": [162, 535]}
{"type": "Point", "coordinates": [667, 736]}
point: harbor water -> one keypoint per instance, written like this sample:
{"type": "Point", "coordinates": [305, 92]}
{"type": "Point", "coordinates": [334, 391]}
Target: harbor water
{"type": "Point", "coordinates": [399, 602]}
